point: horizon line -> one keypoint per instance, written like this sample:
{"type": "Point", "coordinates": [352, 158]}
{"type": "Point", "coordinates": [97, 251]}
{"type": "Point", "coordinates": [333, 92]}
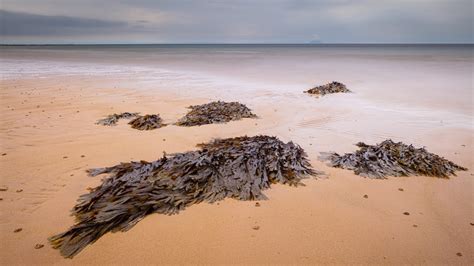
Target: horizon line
{"type": "Point", "coordinates": [250, 43]}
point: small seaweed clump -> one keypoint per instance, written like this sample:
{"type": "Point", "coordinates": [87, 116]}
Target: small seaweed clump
{"type": "Point", "coordinates": [111, 120]}
{"type": "Point", "coordinates": [392, 159]}
{"type": "Point", "coordinates": [237, 168]}
{"type": "Point", "coordinates": [215, 112]}
{"type": "Point", "coordinates": [147, 122]}
{"type": "Point", "coordinates": [333, 87]}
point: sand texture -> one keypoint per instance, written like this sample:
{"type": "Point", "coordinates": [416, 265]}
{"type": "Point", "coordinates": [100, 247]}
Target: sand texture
{"type": "Point", "coordinates": [49, 138]}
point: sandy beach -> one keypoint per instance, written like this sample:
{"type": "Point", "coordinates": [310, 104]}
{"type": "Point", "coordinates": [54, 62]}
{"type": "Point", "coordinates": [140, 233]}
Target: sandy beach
{"type": "Point", "coordinates": [48, 138]}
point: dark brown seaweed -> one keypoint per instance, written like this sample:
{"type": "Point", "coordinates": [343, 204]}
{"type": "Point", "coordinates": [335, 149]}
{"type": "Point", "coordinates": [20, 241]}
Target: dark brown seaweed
{"type": "Point", "coordinates": [215, 112]}
{"type": "Point", "coordinates": [111, 120]}
{"type": "Point", "coordinates": [392, 159]}
{"type": "Point", "coordinates": [333, 87]}
{"type": "Point", "coordinates": [147, 122]}
{"type": "Point", "coordinates": [237, 168]}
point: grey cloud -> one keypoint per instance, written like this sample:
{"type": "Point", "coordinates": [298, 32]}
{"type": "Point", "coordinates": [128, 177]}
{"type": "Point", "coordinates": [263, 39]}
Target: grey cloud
{"type": "Point", "coordinates": [290, 21]}
{"type": "Point", "coordinates": [24, 24]}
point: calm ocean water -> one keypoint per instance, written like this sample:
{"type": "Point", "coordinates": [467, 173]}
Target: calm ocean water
{"type": "Point", "coordinates": [234, 59]}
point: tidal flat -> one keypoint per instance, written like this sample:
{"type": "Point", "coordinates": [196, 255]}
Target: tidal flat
{"type": "Point", "coordinates": [51, 98]}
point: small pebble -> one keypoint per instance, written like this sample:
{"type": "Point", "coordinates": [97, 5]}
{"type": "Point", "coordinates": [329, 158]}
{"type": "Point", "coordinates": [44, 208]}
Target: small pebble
{"type": "Point", "coordinates": [256, 227]}
{"type": "Point", "coordinates": [366, 196]}
{"type": "Point", "coordinates": [38, 246]}
{"type": "Point", "coordinates": [415, 225]}
{"type": "Point", "coordinates": [400, 189]}
{"type": "Point", "coordinates": [19, 190]}
{"type": "Point", "coordinates": [257, 204]}
{"type": "Point", "coordinates": [164, 139]}
{"type": "Point", "coordinates": [82, 156]}
{"type": "Point", "coordinates": [406, 213]}
{"type": "Point", "coordinates": [64, 157]}
{"type": "Point", "coordinates": [472, 224]}
{"type": "Point", "coordinates": [3, 154]}
{"type": "Point", "coordinates": [459, 254]}
{"type": "Point", "coordinates": [3, 188]}
{"type": "Point", "coordinates": [17, 230]}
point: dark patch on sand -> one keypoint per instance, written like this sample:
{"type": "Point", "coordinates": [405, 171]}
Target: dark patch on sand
{"type": "Point", "coordinates": [215, 112]}
{"type": "Point", "coordinates": [147, 122]}
{"type": "Point", "coordinates": [111, 120]}
{"type": "Point", "coordinates": [239, 168]}
{"type": "Point", "coordinates": [333, 87]}
{"type": "Point", "coordinates": [392, 159]}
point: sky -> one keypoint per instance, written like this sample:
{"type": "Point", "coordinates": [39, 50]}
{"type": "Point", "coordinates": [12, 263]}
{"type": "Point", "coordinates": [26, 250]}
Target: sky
{"type": "Point", "coordinates": [236, 21]}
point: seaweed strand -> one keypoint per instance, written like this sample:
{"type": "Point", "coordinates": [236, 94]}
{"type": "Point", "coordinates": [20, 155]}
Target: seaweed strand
{"type": "Point", "coordinates": [238, 168]}
{"type": "Point", "coordinates": [333, 87]}
{"type": "Point", "coordinates": [215, 112]}
{"type": "Point", "coordinates": [111, 120]}
{"type": "Point", "coordinates": [392, 159]}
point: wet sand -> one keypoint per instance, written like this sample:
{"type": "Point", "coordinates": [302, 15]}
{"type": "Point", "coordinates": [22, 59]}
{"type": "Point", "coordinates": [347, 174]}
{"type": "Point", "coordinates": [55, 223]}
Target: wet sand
{"type": "Point", "coordinates": [48, 134]}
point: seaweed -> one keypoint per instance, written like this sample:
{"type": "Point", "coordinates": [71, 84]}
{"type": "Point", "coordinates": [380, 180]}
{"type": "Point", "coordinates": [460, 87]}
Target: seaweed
{"type": "Point", "coordinates": [111, 120]}
{"type": "Point", "coordinates": [239, 168]}
{"type": "Point", "coordinates": [215, 112]}
{"type": "Point", "coordinates": [392, 159]}
{"type": "Point", "coordinates": [333, 87]}
{"type": "Point", "coordinates": [147, 122]}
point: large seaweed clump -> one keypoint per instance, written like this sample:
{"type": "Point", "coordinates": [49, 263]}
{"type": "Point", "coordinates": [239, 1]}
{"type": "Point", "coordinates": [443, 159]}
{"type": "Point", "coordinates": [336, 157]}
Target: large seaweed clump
{"type": "Point", "coordinates": [333, 87]}
{"type": "Point", "coordinates": [392, 159]}
{"type": "Point", "coordinates": [237, 168]}
{"type": "Point", "coordinates": [215, 112]}
{"type": "Point", "coordinates": [147, 122]}
{"type": "Point", "coordinates": [111, 120]}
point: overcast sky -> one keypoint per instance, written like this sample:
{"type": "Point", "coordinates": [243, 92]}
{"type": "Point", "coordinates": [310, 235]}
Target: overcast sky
{"type": "Point", "coordinates": [236, 21]}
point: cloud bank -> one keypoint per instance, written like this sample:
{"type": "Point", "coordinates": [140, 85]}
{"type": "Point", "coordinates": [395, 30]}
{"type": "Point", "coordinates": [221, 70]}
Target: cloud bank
{"type": "Point", "coordinates": [236, 21]}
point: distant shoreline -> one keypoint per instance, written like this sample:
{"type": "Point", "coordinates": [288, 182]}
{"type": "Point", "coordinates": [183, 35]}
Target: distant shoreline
{"type": "Point", "coordinates": [259, 44]}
